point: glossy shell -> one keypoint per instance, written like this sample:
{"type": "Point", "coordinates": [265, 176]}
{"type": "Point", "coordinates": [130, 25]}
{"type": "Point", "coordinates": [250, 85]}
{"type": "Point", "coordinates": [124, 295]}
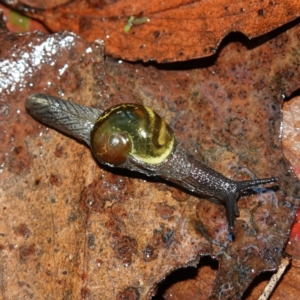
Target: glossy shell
{"type": "Point", "coordinates": [131, 130]}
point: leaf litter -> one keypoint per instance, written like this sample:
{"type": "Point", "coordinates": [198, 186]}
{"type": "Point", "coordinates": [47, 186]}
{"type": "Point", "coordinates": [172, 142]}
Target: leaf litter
{"type": "Point", "coordinates": [103, 233]}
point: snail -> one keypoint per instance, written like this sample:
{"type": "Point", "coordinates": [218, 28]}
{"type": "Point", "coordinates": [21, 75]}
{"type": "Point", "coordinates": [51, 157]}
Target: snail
{"type": "Point", "coordinates": [133, 136]}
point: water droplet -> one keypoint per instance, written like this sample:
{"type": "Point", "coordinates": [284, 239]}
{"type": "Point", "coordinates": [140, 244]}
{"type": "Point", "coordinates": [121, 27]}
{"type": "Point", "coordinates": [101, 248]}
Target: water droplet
{"type": "Point", "coordinates": [63, 69]}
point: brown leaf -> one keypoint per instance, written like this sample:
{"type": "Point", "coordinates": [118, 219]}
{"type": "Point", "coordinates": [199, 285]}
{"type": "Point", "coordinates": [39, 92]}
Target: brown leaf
{"type": "Point", "coordinates": [288, 285]}
{"type": "Point", "coordinates": [99, 233]}
{"type": "Point", "coordinates": [196, 286]}
{"type": "Point", "coordinates": [169, 30]}
{"type": "Point", "coordinates": [290, 141]}
{"type": "Point", "coordinates": [190, 283]}
{"type": "Point", "coordinates": [291, 136]}
{"type": "Point", "coordinates": [35, 3]}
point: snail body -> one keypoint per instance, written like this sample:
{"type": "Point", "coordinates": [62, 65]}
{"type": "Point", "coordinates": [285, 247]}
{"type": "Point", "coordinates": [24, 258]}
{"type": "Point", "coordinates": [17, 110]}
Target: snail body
{"type": "Point", "coordinates": [133, 136]}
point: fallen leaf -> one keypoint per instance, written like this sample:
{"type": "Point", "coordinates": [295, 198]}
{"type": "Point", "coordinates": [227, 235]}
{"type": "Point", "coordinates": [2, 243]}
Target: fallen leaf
{"type": "Point", "coordinates": [35, 3]}
{"type": "Point", "coordinates": [170, 30]}
{"type": "Point", "coordinates": [291, 150]}
{"type": "Point", "coordinates": [93, 232]}
{"type": "Point", "coordinates": [20, 23]}
{"type": "Point", "coordinates": [291, 135]}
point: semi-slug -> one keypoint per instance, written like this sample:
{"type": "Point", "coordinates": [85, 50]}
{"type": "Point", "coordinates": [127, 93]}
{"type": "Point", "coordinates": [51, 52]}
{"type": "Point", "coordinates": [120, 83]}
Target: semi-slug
{"type": "Point", "coordinates": [133, 136]}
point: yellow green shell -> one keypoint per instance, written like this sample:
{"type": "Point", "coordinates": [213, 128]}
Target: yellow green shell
{"type": "Point", "coordinates": [134, 130]}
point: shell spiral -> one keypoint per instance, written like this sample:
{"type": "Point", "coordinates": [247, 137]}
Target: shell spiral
{"type": "Point", "coordinates": [131, 130]}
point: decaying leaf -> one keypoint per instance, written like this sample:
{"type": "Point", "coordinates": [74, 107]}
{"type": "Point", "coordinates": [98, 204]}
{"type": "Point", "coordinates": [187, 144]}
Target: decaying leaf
{"type": "Point", "coordinates": [72, 229]}
{"type": "Point", "coordinates": [291, 136]}
{"type": "Point", "coordinates": [290, 141]}
{"type": "Point", "coordinates": [176, 31]}
{"type": "Point", "coordinates": [36, 3]}
{"type": "Point", "coordinates": [19, 22]}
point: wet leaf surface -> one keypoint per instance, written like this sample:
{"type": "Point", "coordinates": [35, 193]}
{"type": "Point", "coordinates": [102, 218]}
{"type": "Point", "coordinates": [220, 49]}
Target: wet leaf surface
{"type": "Point", "coordinates": [291, 136]}
{"type": "Point", "coordinates": [163, 31]}
{"type": "Point", "coordinates": [290, 142]}
{"type": "Point", "coordinates": [188, 283]}
{"type": "Point", "coordinates": [93, 232]}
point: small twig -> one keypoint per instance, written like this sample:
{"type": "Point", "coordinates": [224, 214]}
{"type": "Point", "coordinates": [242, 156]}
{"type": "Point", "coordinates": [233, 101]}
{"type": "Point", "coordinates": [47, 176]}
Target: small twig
{"type": "Point", "coordinates": [275, 279]}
